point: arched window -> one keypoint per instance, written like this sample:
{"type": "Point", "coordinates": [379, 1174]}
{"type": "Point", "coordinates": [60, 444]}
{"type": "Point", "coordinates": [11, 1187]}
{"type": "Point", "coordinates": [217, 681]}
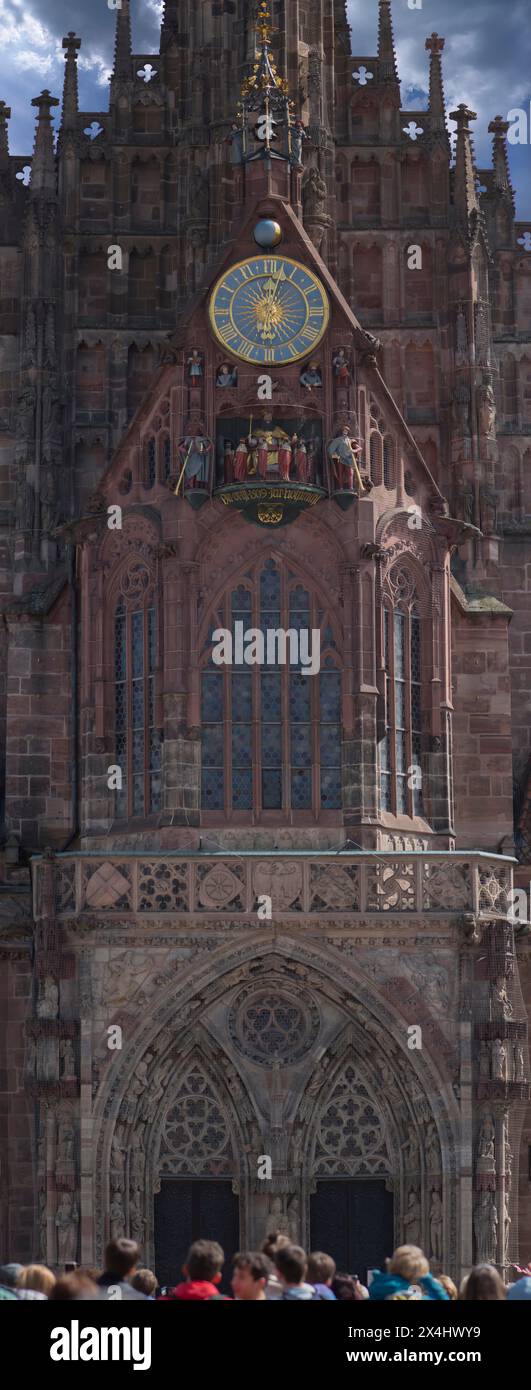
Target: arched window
{"type": "Point", "coordinates": [401, 749]}
{"type": "Point", "coordinates": [150, 462]}
{"type": "Point", "coordinates": [388, 462]}
{"type": "Point", "coordinates": [376, 457]}
{"type": "Point", "coordinates": [271, 733]}
{"type": "Point", "coordinates": [165, 457]}
{"type": "Point", "coordinates": [137, 739]}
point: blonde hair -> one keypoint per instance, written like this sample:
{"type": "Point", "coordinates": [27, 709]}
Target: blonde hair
{"type": "Point", "coordinates": [449, 1285]}
{"type": "Point", "coordinates": [410, 1262]}
{"type": "Point", "coordinates": [38, 1278]}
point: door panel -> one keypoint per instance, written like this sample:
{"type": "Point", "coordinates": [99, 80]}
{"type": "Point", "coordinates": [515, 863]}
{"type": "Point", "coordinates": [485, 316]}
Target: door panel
{"type": "Point", "coordinates": [353, 1222]}
{"type": "Point", "coordinates": [193, 1210]}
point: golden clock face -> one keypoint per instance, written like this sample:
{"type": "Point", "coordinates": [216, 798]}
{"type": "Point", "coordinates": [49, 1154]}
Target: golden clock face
{"type": "Point", "coordinates": [269, 310]}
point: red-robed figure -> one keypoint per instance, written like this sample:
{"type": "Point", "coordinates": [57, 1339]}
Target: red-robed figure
{"type": "Point", "coordinates": [302, 462]}
{"type": "Point", "coordinates": [284, 459]}
{"type": "Point", "coordinates": [240, 462]}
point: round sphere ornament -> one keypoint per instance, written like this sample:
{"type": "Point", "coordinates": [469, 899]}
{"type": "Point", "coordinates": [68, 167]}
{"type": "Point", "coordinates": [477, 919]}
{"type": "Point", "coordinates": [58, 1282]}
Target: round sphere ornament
{"type": "Point", "coordinates": [268, 233]}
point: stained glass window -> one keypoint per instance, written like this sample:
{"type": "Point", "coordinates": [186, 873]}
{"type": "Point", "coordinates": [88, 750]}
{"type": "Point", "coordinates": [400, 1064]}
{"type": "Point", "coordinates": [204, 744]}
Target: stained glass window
{"type": "Point", "coordinates": [151, 462]}
{"type": "Point", "coordinates": [137, 737]}
{"type": "Point", "coordinates": [388, 462]}
{"type": "Point", "coordinates": [271, 731]}
{"type": "Point", "coordinates": [401, 748]}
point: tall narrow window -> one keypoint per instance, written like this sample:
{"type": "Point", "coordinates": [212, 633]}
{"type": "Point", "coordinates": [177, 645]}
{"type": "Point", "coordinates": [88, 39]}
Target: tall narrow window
{"type": "Point", "coordinates": [271, 731]}
{"type": "Point", "coordinates": [150, 474]}
{"type": "Point", "coordinates": [137, 738]}
{"type": "Point", "coordinates": [401, 748]}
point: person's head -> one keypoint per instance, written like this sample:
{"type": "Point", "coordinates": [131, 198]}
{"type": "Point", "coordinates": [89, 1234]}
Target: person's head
{"type": "Point", "coordinates": [409, 1262]}
{"type": "Point", "coordinates": [321, 1268]}
{"type": "Point", "coordinates": [204, 1261]}
{"type": "Point", "coordinates": [347, 1288]}
{"type": "Point", "coordinates": [273, 1242]}
{"type": "Point", "coordinates": [121, 1258]}
{"type": "Point", "coordinates": [74, 1287]}
{"type": "Point", "coordinates": [9, 1275]}
{"type": "Point", "coordinates": [290, 1264]}
{"type": "Point", "coordinates": [520, 1290]}
{"type": "Point", "coordinates": [251, 1272]}
{"type": "Point", "coordinates": [483, 1285]}
{"type": "Point", "coordinates": [146, 1282]}
{"type": "Point", "coordinates": [448, 1285]}
{"type": "Point", "coordinates": [38, 1278]}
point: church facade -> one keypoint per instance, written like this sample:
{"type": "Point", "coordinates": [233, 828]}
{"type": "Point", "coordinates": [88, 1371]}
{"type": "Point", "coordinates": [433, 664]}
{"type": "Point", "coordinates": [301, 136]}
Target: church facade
{"type": "Point", "coordinates": [265, 461]}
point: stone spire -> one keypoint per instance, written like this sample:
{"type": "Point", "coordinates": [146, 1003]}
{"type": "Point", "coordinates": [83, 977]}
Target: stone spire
{"type": "Point", "coordinates": [170, 23]}
{"type": "Point", "coordinates": [70, 97]}
{"type": "Point", "coordinates": [500, 159]}
{"type": "Point", "coordinates": [5, 112]}
{"type": "Point", "coordinates": [437, 109]}
{"type": "Point", "coordinates": [465, 177]}
{"type": "Point", "coordinates": [43, 175]}
{"type": "Point", "coordinates": [123, 47]}
{"type": "Point", "coordinates": [386, 43]}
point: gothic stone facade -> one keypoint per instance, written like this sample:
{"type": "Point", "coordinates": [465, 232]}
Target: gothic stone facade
{"type": "Point", "coordinates": [133, 918]}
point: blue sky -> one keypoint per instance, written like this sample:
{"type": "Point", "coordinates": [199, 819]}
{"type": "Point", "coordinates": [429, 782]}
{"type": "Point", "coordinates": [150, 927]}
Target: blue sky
{"type": "Point", "coordinates": [487, 59]}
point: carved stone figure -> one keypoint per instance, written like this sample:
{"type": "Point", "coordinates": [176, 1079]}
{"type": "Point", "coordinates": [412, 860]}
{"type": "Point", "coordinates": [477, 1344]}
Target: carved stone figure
{"type": "Point", "coordinates": [461, 410]}
{"type": "Point", "coordinates": [518, 1062]}
{"type": "Point", "coordinates": [236, 140]}
{"type": "Point", "coordinates": [48, 1001]}
{"type": "Point", "coordinates": [136, 1217]}
{"type": "Point", "coordinates": [25, 413]}
{"type": "Point", "coordinates": [276, 1216]}
{"type": "Point", "coordinates": [432, 1149]}
{"type": "Point", "coordinates": [466, 501]}
{"type": "Point", "coordinates": [506, 1230]}
{"type": "Point", "coordinates": [499, 1060]}
{"type": "Point", "coordinates": [485, 1228]}
{"type": "Point", "coordinates": [68, 1070]}
{"type": "Point", "coordinates": [199, 194]}
{"type": "Point", "coordinates": [195, 367]}
{"type": "Point", "coordinates": [486, 1162]}
{"type": "Point", "coordinates": [487, 412]}
{"type": "Point", "coordinates": [66, 1222]}
{"type": "Point", "coordinates": [117, 1216]}
{"type": "Point", "coordinates": [436, 1224]}
{"type": "Point", "coordinates": [65, 1143]}
{"type": "Point", "coordinates": [297, 137]}
{"type": "Point", "coordinates": [118, 1150]}
{"type": "Point", "coordinates": [314, 193]}
{"type": "Point", "coordinates": [412, 1219]}
{"type": "Point", "coordinates": [294, 1220]}
{"type": "Point", "coordinates": [488, 505]}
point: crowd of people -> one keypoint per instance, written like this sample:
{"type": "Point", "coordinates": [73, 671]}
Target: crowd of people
{"type": "Point", "coordinates": [279, 1271]}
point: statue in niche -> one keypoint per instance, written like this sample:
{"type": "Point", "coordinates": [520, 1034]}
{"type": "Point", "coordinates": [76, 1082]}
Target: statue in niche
{"type": "Point", "coordinates": [314, 193]}
{"type": "Point", "coordinates": [117, 1216]}
{"type": "Point", "coordinates": [236, 140]}
{"type": "Point", "coordinates": [436, 1224]}
{"type": "Point", "coordinates": [487, 411]}
{"type": "Point", "coordinates": [226, 376]}
{"type": "Point", "coordinates": [499, 1060]}
{"type": "Point", "coordinates": [300, 454]}
{"type": "Point", "coordinates": [431, 1144]}
{"type": "Point", "coordinates": [411, 1154]}
{"type": "Point", "coordinates": [66, 1222]}
{"type": "Point", "coordinates": [507, 1223]}
{"type": "Point", "coordinates": [194, 452]}
{"type": "Point", "coordinates": [25, 412]}
{"type": "Point", "coordinates": [48, 1001]}
{"type": "Point", "coordinates": [136, 1216]}
{"type": "Point", "coordinates": [486, 1228]}
{"type": "Point", "coordinates": [461, 412]}
{"type": "Point", "coordinates": [276, 1216]}
{"type": "Point", "coordinates": [486, 1162]}
{"type": "Point", "coordinates": [195, 367]}
{"type": "Point", "coordinates": [518, 1062]}
{"type": "Point", "coordinates": [311, 376]}
{"type": "Point", "coordinates": [118, 1149]}
{"type": "Point", "coordinates": [465, 504]}
{"type": "Point", "coordinates": [65, 1142]}
{"type": "Point", "coordinates": [412, 1219]}
{"type": "Point", "coordinates": [488, 503]}
{"type": "Point", "coordinates": [341, 366]}
{"type": "Point", "coordinates": [66, 1050]}
{"type": "Point", "coordinates": [344, 452]}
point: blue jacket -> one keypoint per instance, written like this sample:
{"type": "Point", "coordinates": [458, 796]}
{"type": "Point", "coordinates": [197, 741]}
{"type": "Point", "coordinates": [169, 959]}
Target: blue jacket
{"type": "Point", "coordinates": [386, 1285]}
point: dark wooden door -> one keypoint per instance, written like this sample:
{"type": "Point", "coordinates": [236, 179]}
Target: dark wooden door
{"type": "Point", "coordinates": [353, 1222]}
{"type": "Point", "coordinates": [193, 1210]}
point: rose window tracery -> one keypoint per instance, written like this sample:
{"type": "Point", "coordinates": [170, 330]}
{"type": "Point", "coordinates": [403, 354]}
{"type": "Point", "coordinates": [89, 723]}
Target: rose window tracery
{"type": "Point", "coordinates": [351, 1131]}
{"type": "Point", "coordinates": [195, 1135]}
{"type": "Point", "coordinates": [266, 1025]}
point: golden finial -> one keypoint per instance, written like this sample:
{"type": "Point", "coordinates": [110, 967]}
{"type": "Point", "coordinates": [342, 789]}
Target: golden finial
{"type": "Point", "coordinates": [264, 26]}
